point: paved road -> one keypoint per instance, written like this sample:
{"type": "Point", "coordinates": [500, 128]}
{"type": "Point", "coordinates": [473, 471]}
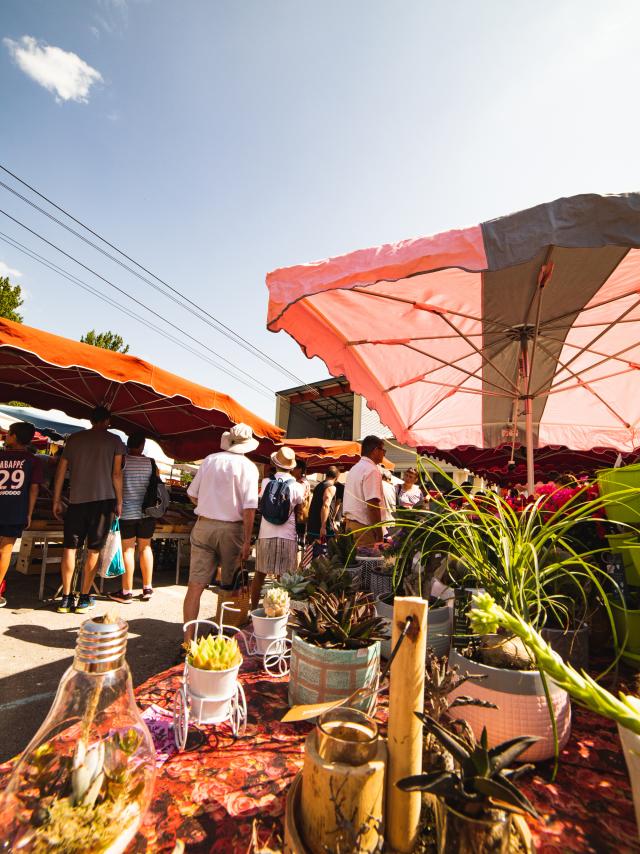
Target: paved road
{"type": "Point", "coordinates": [36, 647]}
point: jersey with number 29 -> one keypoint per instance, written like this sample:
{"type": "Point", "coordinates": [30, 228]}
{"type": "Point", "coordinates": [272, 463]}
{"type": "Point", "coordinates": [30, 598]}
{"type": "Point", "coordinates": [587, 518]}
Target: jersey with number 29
{"type": "Point", "coordinates": [18, 471]}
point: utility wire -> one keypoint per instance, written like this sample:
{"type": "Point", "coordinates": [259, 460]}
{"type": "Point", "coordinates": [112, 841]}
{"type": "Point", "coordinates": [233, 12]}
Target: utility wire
{"type": "Point", "coordinates": [95, 292]}
{"type": "Point", "coordinates": [133, 299]}
{"type": "Point", "coordinates": [208, 318]}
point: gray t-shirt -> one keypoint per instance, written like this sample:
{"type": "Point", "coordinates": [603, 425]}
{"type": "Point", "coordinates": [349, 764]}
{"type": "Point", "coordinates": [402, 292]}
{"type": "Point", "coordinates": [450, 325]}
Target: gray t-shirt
{"type": "Point", "coordinates": [90, 456]}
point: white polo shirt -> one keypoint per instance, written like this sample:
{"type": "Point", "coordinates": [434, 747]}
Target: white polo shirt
{"type": "Point", "coordinates": [363, 484]}
{"type": "Point", "coordinates": [226, 484]}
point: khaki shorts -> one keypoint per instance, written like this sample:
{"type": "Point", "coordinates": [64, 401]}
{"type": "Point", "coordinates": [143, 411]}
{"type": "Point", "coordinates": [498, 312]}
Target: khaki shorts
{"type": "Point", "coordinates": [366, 538]}
{"type": "Point", "coordinates": [213, 544]}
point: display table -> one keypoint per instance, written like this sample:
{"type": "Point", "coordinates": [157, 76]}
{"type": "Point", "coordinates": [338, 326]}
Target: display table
{"type": "Point", "coordinates": [44, 536]}
{"type": "Point", "coordinates": [220, 792]}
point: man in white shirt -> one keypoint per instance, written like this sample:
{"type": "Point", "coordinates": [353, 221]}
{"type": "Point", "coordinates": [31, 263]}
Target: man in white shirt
{"type": "Point", "coordinates": [363, 501]}
{"type": "Point", "coordinates": [277, 546]}
{"type": "Point", "coordinates": [225, 492]}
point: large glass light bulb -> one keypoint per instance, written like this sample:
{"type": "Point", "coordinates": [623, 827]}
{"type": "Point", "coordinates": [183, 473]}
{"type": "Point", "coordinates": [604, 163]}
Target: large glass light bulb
{"type": "Point", "coordinates": [86, 779]}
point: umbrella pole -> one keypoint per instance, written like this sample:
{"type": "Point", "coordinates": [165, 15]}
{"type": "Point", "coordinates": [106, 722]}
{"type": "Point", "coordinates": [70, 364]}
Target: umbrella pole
{"type": "Point", "coordinates": [528, 411]}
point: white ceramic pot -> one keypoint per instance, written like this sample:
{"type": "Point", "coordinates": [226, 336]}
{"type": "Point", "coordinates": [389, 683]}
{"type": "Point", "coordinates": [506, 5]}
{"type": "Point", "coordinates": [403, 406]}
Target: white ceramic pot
{"type": "Point", "coordinates": [438, 628]}
{"type": "Point", "coordinates": [631, 747]}
{"type": "Point", "coordinates": [267, 629]}
{"type": "Point", "coordinates": [522, 706]}
{"type": "Point", "coordinates": [212, 684]}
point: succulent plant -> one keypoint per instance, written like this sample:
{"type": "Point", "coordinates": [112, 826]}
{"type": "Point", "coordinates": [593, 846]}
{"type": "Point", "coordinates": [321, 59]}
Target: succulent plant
{"type": "Point", "coordinates": [276, 602]}
{"type": "Point", "coordinates": [340, 621]}
{"type": "Point", "coordinates": [482, 782]}
{"type": "Point", "coordinates": [295, 583]}
{"type": "Point", "coordinates": [214, 653]}
{"type": "Point", "coordinates": [342, 549]}
{"type": "Point", "coordinates": [329, 575]}
{"type": "Point", "coordinates": [440, 681]}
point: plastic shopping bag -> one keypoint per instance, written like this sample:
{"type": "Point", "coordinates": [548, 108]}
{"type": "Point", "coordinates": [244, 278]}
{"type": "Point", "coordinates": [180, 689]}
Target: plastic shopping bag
{"type": "Point", "coordinates": [111, 562]}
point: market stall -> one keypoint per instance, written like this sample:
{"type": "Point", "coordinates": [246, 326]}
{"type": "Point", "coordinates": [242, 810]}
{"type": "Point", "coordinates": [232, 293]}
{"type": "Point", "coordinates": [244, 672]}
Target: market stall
{"type": "Point", "coordinates": [185, 418]}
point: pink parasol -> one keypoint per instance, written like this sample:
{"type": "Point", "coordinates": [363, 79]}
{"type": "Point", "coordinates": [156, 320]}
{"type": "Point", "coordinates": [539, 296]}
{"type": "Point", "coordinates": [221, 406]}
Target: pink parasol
{"type": "Point", "coordinates": [522, 329]}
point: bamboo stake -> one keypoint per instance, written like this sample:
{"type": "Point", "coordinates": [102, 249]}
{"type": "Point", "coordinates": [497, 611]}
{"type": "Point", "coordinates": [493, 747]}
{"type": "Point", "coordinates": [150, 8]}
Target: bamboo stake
{"type": "Point", "coordinates": [406, 696]}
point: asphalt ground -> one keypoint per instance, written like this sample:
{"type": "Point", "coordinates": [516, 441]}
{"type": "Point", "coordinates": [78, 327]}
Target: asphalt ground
{"type": "Point", "coordinates": [37, 643]}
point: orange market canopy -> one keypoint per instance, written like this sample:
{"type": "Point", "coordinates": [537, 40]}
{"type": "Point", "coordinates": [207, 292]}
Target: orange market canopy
{"type": "Point", "coordinates": [186, 419]}
{"type": "Point", "coordinates": [524, 328]}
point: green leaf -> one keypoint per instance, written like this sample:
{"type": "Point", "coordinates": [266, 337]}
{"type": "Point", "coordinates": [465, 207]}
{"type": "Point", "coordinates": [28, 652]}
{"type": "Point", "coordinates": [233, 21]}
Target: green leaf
{"type": "Point", "coordinates": [456, 747]}
{"type": "Point", "coordinates": [504, 754]}
{"type": "Point", "coordinates": [504, 791]}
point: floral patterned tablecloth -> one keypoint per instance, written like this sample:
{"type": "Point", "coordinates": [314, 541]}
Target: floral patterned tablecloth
{"type": "Point", "coordinates": [221, 794]}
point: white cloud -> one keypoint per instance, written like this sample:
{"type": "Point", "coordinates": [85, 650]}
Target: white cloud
{"type": "Point", "coordinates": [6, 270]}
{"type": "Point", "coordinates": [59, 71]}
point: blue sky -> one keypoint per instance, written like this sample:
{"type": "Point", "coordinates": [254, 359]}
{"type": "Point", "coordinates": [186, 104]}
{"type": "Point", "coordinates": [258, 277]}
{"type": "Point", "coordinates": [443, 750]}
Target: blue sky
{"type": "Point", "coordinates": [217, 140]}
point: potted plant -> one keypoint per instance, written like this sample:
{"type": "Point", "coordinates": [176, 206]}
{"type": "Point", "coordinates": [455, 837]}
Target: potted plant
{"type": "Point", "coordinates": [270, 621]}
{"type": "Point", "coordinates": [488, 615]}
{"type": "Point", "coordinates": [335, 649]}
{"type": "Point", "coordinates": [213, 665]}
{"type": "Point", "coordinates": [297, 585]}
{"type": "Point", "coordinates": [478, 796]}
{"type": "Point", "coordinates": [530, 562]}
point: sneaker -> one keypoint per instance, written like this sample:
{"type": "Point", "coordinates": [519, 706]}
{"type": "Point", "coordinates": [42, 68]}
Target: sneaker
{"type": "Point", "coordinates": [146, 593]}
{"type": "Point", "coordinates": [85, 603]}
{"type": "Point", "coordinates": [67, 604]}
{"type": "Point", "coordinates": [3, 601]}
{"type": "Point", "coordinates": [123, 598]}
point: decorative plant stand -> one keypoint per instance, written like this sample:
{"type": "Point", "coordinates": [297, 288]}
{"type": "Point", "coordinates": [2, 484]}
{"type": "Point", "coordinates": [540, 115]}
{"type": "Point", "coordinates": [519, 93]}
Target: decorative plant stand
{"type": "Point", "coordinates": [208, 696]}
{"type": "Point", "coordinates": [269, 640]}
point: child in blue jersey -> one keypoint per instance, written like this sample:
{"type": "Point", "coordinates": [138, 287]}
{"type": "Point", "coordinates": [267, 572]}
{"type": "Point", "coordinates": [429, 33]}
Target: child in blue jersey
{"type": "Point", "coordinates": [20, 479]}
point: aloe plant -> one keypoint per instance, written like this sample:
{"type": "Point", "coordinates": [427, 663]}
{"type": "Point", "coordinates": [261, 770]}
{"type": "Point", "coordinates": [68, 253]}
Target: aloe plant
{"type": "Point", "coordinates": [342, 621]}
{"type": "Point", "coordinates": [483, 780]}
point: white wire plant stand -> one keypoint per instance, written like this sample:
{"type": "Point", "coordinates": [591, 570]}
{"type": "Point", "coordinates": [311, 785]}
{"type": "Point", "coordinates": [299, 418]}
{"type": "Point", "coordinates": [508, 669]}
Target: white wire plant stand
{"type": "Point", "coordinates": [219, 699]}
{"type": "Point", "coordinates": [270, 641]}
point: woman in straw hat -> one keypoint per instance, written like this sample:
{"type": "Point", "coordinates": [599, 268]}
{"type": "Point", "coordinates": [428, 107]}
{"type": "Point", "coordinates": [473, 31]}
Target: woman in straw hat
{"type": "Point", "coordinates": [277, 551]}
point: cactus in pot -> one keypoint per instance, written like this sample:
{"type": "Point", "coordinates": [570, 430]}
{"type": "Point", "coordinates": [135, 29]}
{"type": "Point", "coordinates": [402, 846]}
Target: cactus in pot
{"type": "Point", "coordinates": [275, 602]}
{"type": "Point", "coordinates": [214, 653]}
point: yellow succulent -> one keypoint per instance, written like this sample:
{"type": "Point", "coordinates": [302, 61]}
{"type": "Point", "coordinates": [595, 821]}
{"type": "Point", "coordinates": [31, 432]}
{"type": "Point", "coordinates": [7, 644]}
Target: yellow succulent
{"type": "Point", "coordinates": [214, 653]}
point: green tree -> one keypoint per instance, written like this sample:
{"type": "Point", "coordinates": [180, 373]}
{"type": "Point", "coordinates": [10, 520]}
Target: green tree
{"type": "Point", "coordinates": [106, 340]}
{"type": "Point", "coordinates": [10, 300]}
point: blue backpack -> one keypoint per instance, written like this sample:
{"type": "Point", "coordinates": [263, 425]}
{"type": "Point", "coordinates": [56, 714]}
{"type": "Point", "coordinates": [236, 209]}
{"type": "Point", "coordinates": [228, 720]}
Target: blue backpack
{"type": "Point", "coordinates": [276, 501]}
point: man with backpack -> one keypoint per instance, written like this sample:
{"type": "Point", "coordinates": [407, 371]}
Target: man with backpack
{"type": "Point", "coordinates": [277, 548]}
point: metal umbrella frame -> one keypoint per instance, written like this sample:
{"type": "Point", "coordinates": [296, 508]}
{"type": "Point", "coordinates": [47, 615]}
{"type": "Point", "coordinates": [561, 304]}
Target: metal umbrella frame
{"type": "Point", "coordinates": [521, 329]}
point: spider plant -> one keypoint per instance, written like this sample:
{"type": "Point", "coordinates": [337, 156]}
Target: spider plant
{"type": "Point", "coordinates": [532, 562]}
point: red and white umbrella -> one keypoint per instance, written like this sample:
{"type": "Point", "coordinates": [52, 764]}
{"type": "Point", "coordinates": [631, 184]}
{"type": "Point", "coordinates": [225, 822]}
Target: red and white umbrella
{"type": "Point", "coordinates": [524, 328]}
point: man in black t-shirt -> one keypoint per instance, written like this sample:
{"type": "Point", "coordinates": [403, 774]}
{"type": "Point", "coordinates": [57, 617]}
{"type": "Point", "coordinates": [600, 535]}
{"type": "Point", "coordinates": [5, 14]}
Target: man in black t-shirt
{"type": "Point", "coordinates": [20, 479]}
{"type": "Point", "coordinates": [321, 522]}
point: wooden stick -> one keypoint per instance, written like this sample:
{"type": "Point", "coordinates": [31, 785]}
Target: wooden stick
{"type": "Point", "coordinates": [406, 696]}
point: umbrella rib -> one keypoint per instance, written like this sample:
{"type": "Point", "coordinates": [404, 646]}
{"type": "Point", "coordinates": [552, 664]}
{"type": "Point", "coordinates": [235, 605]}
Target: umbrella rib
{"type": "Point", "coordinates": [613, 357]}
{"type": "Point", "coordinates": [607, 329]}
{"type": "Point", "coordinates": [40, 376]}
{"type": "Point", "coordinates": [472, 375]}
{"type": "Point", "coordinates": [580, 383]}
{"type": "Point", "coordinates": [463, 390]}
{"type": "Point", "coordinates": [435, 309]}
{"type": "Point", "coordinates": [568, 314]}
{"type": "Point", "coordinates": [482, 356]}
{"type": "Point", "coordinates": [586, 385]}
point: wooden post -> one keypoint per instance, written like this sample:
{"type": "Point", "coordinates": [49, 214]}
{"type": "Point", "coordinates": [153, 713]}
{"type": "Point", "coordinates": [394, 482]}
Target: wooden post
{"type": "Point", "coordinates": [406, 696]}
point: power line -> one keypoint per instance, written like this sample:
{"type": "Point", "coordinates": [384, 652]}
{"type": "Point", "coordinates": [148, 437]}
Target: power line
{"type": "Point", "coordinates": [95, 292]}
{"type": "Point", "coordinates": [133, 299]}
{"type": "Point", "coordinates": [208, 318]}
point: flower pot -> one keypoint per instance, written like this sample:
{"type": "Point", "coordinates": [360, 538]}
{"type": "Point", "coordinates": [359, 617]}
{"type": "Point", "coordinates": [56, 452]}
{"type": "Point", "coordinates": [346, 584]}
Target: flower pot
{"type": "Point", "coordinates": [571, 645]}
{"type": "Point", "coordinates": [631, 747]}
{"type": "Point", "coordinates": [267, 629]}
{"type": "Point", "coordinates": [320, 675]}
{"type": "Point", "coordinates": [356, 576]}
{"type": "Point", "coordinates": [627, 623]}
{"type": "Point", "coordinates": [366, 565]}
{"type": "Point", "coordinates": [380, 582]}
{"type": "Point", "coordinates": [522, 706]}
{"type": "Point", "coordinates": [460, 835]}
{"type": "Point", "coordinates": [621, 544]}
{"type": "Point", "coordinates": [627, 507]}
{"type": "Point", "coordinates": [210, 692]}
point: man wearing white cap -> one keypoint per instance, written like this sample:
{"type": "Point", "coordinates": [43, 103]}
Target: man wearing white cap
{"type": "Point", "coordinates": [277, 547]}
{"type": "Point", "coordinates": [225, 492]}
